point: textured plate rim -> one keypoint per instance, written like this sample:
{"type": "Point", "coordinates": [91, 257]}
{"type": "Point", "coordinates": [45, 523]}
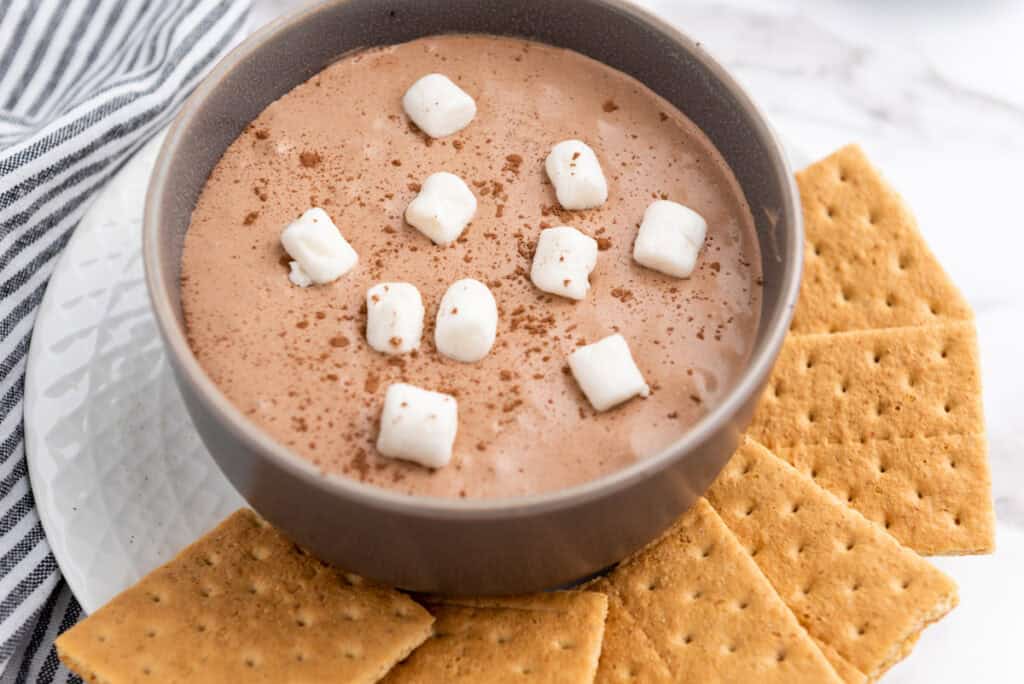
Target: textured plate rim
{"type": "Point", "coordinates": [36, 451]}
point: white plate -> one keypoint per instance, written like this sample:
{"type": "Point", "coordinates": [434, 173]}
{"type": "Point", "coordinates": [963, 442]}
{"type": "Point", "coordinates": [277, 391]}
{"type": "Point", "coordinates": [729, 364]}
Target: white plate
{"type": "Point", "coordinates": [120, 478]}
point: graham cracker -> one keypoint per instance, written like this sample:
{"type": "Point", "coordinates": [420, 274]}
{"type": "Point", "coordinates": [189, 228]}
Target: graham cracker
{"type": "Point", "coordinates": [851, 585]}
{"type": "Point", "coordinates": [932, 494]}
{"type": "Point", "coordinates": [244, 604]}
{"type": "Point", "coordinates": [846, 671]}
{"type": "Point", "coordinates": [865, 265]}
{"type": "Point", "coordinates": [627, 655]}
{"type": "Point", "coordinates": [552, 638]}
{"type": "Point", "coordinates": [709, 611]}
{"type": "Point", "coordinates": [891, 421]}
{"type": "Point", "coordinates": [870, 385]}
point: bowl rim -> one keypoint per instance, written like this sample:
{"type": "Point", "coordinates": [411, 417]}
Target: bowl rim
{"type": "Point", "coordinates": [255, 439]}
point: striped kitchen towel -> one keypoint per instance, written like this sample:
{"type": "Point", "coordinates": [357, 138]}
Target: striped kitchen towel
{"type": "Point", "coordinates": [83, 85]}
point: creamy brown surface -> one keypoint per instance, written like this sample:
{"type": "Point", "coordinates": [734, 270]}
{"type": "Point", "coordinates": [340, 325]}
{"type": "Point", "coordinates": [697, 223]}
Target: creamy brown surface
{"type": "Point", "coordinates": [296, 360]}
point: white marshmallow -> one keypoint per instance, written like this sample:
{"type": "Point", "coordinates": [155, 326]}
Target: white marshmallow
{"type": "Point", "coordinates": [319, 251]}
{"type": "Point", "coordinates": [394, 317]}
{"type": "Point", "coordinates": [442, 209]}
{"type": "Point", "coordinates": [467, 321]}
{"type": "Point", "coordinates": [576, 174]}
{"type": "Point", "coordinates": [606, 372]}
{"type": "Point", "coordinates": [563, 262]}
{"type": "Point", "coordinates": [438, 106]}
{"type": "Point", "coordinates": [297, 275]}
{"type": "Point", "coordinates": [670, 238]}
{"type": "Point", "coordinates": [418, 425]}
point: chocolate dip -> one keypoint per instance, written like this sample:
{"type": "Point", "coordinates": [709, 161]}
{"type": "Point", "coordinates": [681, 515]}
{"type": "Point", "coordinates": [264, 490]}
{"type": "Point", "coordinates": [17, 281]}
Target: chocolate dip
{"type": "Point", "coordinates": [296, 360]}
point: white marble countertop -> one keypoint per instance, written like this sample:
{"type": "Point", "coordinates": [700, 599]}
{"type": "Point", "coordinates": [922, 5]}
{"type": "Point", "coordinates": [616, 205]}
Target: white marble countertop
{"type": "Point", "coordinates": [932, 90]}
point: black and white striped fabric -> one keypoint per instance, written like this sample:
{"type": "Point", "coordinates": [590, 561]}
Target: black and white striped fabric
{"type": "Point", "coordinates": [83, 85]}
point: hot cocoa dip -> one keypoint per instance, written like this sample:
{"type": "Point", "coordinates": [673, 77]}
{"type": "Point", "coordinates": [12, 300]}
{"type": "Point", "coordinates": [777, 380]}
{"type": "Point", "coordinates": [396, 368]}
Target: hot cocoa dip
{"type": "Point", "coordinates": [295, 360]}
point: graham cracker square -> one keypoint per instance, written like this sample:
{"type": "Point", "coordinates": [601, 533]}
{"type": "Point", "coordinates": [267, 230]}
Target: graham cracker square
{"type": "Point", "coordinates": [244, 604]}
{"type": "Point", "coordinates": [900, 383]}
{"type": "Point", "coordinates": [865, 266]}
{"type": "Point", "coordinates": [933, 494]}
{"type": "Point", "coordinates": [851, 585]}
{"type": "Point", "coordinates": [844, 668]}
{"type": "Point", "coordinates": [710, 613]}
{"type": "Point", "coordinates": [890, 421]}
{"type": "Point", "coordinates": [545, 638]}
{"type": "Point", "coordinates": [627, 655]}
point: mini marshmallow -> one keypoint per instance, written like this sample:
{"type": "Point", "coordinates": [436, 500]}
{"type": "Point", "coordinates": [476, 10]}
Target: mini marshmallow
{"type": "Point", "coordinates": [418, 425]}
{"type": "Point", "coordinates": [319, 251]}
{"type": "Point", "coordinates": [563, 262]}
{"type": "Point", "coordinates": [442, 209]}
{"type": "Point", "coordinates": [606, 373]}
{"type": "Point", "coordinates": [467, 321]}
{"type": "Point", "coordinates": [576, 174]}
{"type": "Point", "coordinates": [438, 106]}
{"type": "Point", "coordinates": [394, 317]}
{"type": "Point", "coordinates": [670, 238]}
{"type": "Point", "coordinates": [297, 275]}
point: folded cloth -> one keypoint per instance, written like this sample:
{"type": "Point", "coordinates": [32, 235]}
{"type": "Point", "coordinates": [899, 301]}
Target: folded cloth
{"type": "Point", "coordinates": [83, 85]}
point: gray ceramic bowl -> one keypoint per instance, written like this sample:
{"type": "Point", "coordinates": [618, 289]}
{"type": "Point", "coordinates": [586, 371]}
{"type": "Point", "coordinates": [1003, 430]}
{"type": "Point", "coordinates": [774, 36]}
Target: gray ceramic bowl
{"type": "Point", "coordinates": [441, 545]}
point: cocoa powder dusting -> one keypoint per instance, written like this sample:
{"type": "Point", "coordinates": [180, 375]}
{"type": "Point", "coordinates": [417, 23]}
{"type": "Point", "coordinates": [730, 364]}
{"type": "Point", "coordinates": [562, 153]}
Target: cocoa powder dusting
{"type": "Point", "coordinates": [512, 164]}
{"type": "Point", "coordinates": [309, 158]}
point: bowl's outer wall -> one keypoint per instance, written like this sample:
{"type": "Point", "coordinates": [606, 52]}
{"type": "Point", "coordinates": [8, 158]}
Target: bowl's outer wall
{"type": "Point", "coordinates": [517, 551]}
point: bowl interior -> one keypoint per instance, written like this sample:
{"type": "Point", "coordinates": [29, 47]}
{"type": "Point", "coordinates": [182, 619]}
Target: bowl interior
{"type": "Point", "coordinates": [290, 51]}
